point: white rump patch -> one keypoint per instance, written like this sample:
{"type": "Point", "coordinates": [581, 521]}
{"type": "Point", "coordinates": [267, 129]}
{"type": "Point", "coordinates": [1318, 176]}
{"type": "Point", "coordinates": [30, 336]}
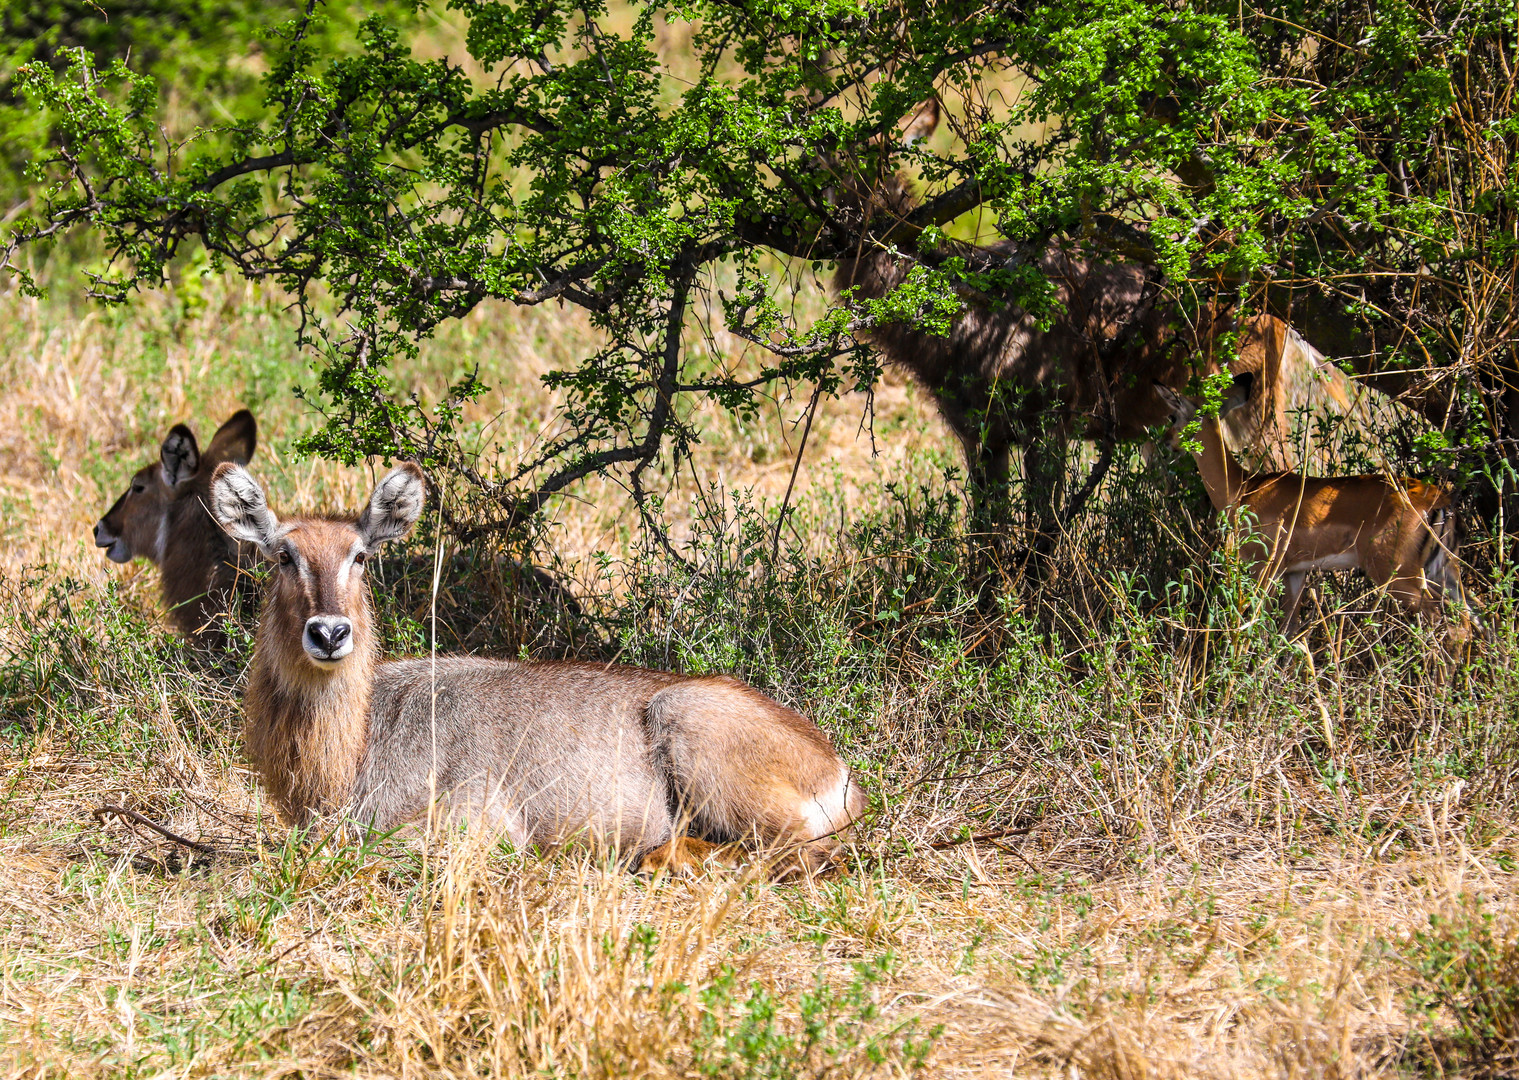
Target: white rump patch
{"type": "Point", "coordinates": [828, 812]}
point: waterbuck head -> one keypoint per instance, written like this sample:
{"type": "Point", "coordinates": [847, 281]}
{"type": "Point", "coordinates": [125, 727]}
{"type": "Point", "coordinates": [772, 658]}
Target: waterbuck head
{"type": "Point", "coordinates": [137, 524]}
{"type": "Point", "coordinates": [316, 611]}
{"type": "Point", "coordinates": [869, 182]}
{"type": "Point", "coordinates": [1183, 409]}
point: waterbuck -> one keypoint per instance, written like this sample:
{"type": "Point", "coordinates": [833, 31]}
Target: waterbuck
{"type": "Point", "coordinates": [999, 378]}
{"type": "Point", "coordinates": [1401, 532]}
{"type": "Point", "coordinates": [162, 516]}
{"type": "Point", "coordinates": [539, 752]}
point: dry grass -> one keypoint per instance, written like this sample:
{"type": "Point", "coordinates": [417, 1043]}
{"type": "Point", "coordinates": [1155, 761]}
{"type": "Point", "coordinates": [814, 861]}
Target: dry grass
{"type": "Point", "coordinates": [1200, 856]}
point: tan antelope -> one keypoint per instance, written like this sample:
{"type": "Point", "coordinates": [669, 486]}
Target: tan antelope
{"type": "Point", "coordinates": [542, 752]}
{"type": "Point", "coordinates": [163, 517]}
{"type": "Point", "coordinates": [1401, 533]}
{"type": "Point", "coordinates": [1000, 379]}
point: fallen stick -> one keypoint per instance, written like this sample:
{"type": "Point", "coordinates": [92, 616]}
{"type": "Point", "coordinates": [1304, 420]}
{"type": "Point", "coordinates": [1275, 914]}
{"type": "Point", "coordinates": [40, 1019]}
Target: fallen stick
{"type": "Point", "coordinates": [1000, 834]}
{"type": "Point", "coordinates": [100, 812]}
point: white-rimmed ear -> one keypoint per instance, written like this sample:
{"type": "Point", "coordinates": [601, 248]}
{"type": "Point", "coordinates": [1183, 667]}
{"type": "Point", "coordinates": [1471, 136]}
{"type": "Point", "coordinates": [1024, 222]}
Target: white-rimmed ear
{"type": "Point", "coordinates": [238, 503]}
{"type": "Point", "coordinates": [394, 507]}
{"type": "Point", "coordinates": [179, 458]}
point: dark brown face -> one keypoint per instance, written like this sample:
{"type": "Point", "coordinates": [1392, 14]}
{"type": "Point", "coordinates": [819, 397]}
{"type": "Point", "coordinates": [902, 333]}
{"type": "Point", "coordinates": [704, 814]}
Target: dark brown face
{"type": "Point", "coordinates": [136, 526]}
{"type": "Point", "coordinates": [318, 588]}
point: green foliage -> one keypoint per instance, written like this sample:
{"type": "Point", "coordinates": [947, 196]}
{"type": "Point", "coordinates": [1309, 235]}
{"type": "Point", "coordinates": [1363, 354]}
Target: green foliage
{"type": "Point", "coordinates": [1362, 155]}
{"type": "Point", "coordinates": [205, 58]}
{"type": "Point", "coordinates": [741, 1032]}
{"type": "Point", "coordinates": [1473, 972]}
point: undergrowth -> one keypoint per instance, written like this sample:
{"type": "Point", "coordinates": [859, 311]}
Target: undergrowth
{"type": "Point", "coordinates": [1118, 824]}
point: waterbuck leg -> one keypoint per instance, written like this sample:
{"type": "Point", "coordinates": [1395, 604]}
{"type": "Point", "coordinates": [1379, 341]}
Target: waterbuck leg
{"type": "Point", "coordinates": [746, 769]}
{"type": "Point", "coordinates": [987, 473]}
{"type": "Point", "coordinates": [686, 856]}
{"type": "Point", "coordinates": [988, 477]}
{"type": "Point", "coordinates": [1043, 479]}
{"type": "Point", "coordinates": [1078, 502]}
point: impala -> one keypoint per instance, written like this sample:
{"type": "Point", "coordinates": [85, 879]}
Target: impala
{"type": "Point", "coordinates": [1401, 532]}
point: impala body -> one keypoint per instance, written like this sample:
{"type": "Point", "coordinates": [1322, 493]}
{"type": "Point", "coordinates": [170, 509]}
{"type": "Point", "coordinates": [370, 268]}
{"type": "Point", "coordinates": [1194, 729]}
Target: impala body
{"type": "Point", "coordinates": [540, 752]}
{"type": "Point", "coordinates": [163, 517]}
{"type": "Point", "coordinates": [1401, 532]}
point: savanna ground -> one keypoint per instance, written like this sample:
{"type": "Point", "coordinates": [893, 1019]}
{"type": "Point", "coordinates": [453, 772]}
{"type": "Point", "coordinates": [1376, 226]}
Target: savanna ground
{"type": "Point", "coordinates": [1118, 828]}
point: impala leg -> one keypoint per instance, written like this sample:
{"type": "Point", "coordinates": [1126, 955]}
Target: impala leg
{"type": "Point", "coordinates": [1411, 592]}
{"type": "Point", "coordinates": [1421, 602]}
{"type": "Point", "coordinates": [1292, 601]}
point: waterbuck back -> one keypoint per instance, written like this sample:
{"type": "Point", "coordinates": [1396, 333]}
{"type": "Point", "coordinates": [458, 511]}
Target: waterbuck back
{"type": "Point", "coordinates": [999, 378]}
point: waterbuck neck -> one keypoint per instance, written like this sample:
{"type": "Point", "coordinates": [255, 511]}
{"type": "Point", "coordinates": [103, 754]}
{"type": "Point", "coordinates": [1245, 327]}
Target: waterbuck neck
{"type": "Point", "coordinates": [872, 274]}
{"type": "Point", "coordinates": [307, 729]}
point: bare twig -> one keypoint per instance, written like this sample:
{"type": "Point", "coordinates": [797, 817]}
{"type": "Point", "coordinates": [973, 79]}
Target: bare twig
{"type": "Point", "coordinates": [796, 467]}
{"type": "Point", "coordinates": [982, 838]}
{"type": "Point", "coordinates": [100, 812]}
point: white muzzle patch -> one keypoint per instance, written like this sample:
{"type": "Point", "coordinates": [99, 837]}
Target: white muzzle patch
{"type": "Point", "coordinates": [327, 639]}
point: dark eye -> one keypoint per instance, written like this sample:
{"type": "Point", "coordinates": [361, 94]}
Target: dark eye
{"type": "Point", "coordinates": [361, 558]}
{"type": "Point", "coordinates": [138, 489]}
{"type": "Point", "coordinates": [284, 557]}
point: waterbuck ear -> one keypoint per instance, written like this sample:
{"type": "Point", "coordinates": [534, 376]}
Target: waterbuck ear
{"type": "Point", "coordinates": [238, 503]}
{"type": "Point", "coordinates": [235, 440]}
{"type": "Point", "coordinates": [394, 507]}
{"type": "Point", "coordinates": [180, 457]}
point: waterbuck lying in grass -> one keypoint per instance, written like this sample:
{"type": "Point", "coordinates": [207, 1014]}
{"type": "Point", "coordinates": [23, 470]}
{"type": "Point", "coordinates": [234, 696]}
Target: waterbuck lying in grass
{"type": "Point", "coordinates": [162, 516]}
{"type": "Point", "coordinates": [542, 752]}
{"type": "Point", "coordinates": [1400, 531]}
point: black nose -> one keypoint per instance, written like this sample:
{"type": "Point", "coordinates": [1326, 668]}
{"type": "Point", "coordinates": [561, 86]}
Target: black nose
{"type": "Point", "coordinates": [98, 541]}
{"type": "Point", "coordinates": [328, 636]}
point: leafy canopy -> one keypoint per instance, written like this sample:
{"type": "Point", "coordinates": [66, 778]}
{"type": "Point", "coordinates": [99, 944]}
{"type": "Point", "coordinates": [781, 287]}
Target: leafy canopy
{"type": "Point", "coordinates": [1350, 164]}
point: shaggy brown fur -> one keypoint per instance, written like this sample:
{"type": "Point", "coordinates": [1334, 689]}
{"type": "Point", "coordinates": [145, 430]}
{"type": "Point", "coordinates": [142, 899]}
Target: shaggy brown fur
{"type": "Point", "coordinates": [1002, 381]}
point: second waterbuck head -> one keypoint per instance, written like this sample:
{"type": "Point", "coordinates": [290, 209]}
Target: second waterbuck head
{"type": "Point", "coordinates": [162, 517]}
